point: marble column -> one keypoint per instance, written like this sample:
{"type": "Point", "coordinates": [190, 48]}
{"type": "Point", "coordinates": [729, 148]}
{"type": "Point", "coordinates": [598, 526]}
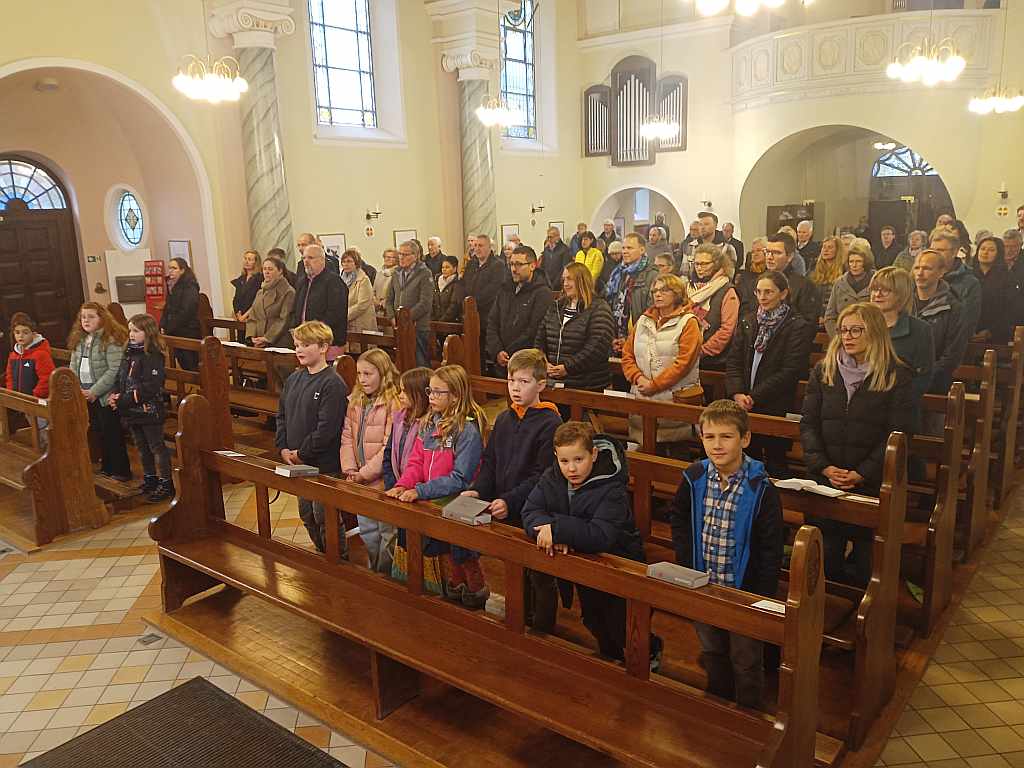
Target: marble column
{"type": "Point", "coordinates": [270, 218]}
{"type": "Point", "coordinates": [479, 207]}
{"type": "Point", "coordinates": [254, 26]}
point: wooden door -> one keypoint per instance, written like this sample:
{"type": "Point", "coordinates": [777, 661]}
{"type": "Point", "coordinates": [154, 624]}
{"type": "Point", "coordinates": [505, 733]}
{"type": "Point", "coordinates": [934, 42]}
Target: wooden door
{"type": "Point", "coordinates": [39, 269]}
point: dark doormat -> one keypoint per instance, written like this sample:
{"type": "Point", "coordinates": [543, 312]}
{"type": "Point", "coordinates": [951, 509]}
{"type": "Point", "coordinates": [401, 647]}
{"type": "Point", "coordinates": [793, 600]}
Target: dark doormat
{"type": "Point", "coordinates": [196, 725]}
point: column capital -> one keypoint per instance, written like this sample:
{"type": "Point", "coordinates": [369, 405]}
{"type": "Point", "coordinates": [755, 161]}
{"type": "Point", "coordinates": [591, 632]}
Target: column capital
{"type": "Point", "coordinates": [467, 33]}
{"type": "Point", "coordinates": [252, 23]}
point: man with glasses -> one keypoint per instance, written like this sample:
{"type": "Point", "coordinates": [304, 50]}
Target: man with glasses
{"type": "Point", "coordinates": [518, 311]}
{"type": "Point", "coordinates": [331, 261]}
{"type": "Point", "coordinates": [935, 303]}
{"type": "Point", "coordinates": [961, 281]}
{"type": "Point", "coordinates": [1012, 241]}
{"type": "Point", "coordinates": [412, 286]}
{"type": "Point", "coordinates": [555, 256]}
{"type": "Point", "coordinates": [808, 247]}
{"type": "Point", "coordinates": [485, 274]}
{"type": "Point", "coordinates": [803, 294]}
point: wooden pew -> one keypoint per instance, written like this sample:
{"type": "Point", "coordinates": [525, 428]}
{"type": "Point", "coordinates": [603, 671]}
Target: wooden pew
{"type": "Point", "coordinates": [55, 491]}
{"type": "Point", "coordinates": [863, 622]}
{"type": "Point", "coordinates": [559, 687]}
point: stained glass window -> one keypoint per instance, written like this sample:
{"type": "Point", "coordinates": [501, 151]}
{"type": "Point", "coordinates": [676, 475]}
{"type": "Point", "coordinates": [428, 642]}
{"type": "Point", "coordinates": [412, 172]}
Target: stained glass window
{"type": "Point", "coordinates": [129, 219]}
{"type": "Point", "coordinates": [902, 161]}
{"type": "Point", "coordinates": [342, 62]}
{"type": "Point", "coordinates": [30, 184]}
{"type": "Point", "coordinates": [518, 90]}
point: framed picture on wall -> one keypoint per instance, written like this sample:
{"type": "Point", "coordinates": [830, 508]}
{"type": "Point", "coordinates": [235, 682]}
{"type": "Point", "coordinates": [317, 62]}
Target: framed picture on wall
{"type": "Point", "coordinates": [507, 230]}
{"type": "Point", "coordinates": [401, 235]}
{"type": "Point", "coordinates": [180, 249]}
{"type": "Point", "coordinates": [334, 244]}
{"type": "Point", "coordinates": [620, 225]}
{"type": "Point", "coordinates": [559, 225]}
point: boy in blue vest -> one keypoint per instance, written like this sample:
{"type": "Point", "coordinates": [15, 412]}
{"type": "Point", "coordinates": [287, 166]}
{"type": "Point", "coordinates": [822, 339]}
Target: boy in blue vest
{"type": "Point", "coordinates": [727, 520]}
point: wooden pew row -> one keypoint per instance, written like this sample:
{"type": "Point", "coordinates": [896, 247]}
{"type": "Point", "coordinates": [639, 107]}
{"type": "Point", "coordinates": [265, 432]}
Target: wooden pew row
{"type": "Point", "coordinates": [55, 490]}
{"type": "Point", "coordinates": [566, 690]}
{"type": "Point", "coordinates": [863, 622]}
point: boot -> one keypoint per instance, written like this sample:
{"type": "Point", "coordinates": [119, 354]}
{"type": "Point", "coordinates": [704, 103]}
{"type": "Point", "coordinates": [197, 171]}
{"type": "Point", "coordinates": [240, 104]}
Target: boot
{"type": "Point", "coordinates": [455, 587]}
{"type": "Point", "coordinates": [475, 592]}
{"type": "Point", "coordinates": [163, 492]}
{"type": "Point", "coordinates": [149, 484]}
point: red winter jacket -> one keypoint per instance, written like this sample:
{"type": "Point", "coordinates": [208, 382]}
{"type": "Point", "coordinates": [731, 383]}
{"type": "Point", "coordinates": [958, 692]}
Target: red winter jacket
{"type": "Point", "coordinates": [29, 368]}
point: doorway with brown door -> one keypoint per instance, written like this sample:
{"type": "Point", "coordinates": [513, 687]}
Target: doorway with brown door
{"type": "Point", "coordinates": [40, 272]}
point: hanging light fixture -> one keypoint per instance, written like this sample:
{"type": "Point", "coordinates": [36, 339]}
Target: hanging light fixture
{"type": "Point", "coordinates": [998, 98]}
{"type": "Point", "coordinates": [495, 111]}
{"type": "Point", "coordinates": [658, 126]}
{"type": "Point", "coordinates": [208, 79]}
{"type": "Point", "coordinates": [928, 62]}
{"type": "Point", "coordinates": [741, 7]}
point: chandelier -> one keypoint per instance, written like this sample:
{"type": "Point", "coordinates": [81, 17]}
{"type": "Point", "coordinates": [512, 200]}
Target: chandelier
{"type": "Point", "coordinates": [659, 127]}
{"type": "Point", "coordinates": [927, 63]}
{"type": "Point", "coordinates": [210, 80]}
{"type": "Point", "coordinates": [998, 100]}
{"type": "Point", "coordinates": [494, 112]}
{"type": "Point", "coordinates": [742, 7]}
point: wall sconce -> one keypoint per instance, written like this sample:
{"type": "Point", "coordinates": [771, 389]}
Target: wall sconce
{"type": "Point", "coordinates": [374, 214]}
{"type": "Point", "coordinates": [537, 207]}
{"type": "Point", "coordinates": [708, 205]}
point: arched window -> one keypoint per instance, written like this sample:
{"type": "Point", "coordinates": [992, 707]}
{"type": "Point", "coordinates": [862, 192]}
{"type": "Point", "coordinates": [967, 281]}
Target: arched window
{"type": "Point", "coordinates": [31, 185]}
{"type": "Point", "coordinates": [130, 221]}
{"type": "Point", "coordinates": [342, 62]}
{"type": "Point", "coordinates": [902, 161]}
{"type": "Point", "coordinates": [518, 87]}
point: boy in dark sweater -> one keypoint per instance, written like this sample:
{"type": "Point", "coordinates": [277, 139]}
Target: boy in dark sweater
{"type": "Point", "coordinates": [582, 505]}
{"type": "Point", "coordinates": [518, 451]}
{"type": "Point", "coordinates": [310, 417]}
{"type": "Point", "coordinates": [727, 520]}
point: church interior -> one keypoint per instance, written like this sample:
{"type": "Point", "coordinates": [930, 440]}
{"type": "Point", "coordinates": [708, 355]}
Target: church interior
{"type": "Point", "coordinates": [192, 187]}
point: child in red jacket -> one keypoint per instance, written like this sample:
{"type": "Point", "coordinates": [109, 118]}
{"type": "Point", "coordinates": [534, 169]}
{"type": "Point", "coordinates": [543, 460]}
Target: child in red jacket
{"type": "Point", "coordinates": [30, 364]}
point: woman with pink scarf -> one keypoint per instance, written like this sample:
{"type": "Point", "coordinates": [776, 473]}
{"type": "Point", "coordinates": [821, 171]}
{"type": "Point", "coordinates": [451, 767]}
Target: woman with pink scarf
{"type": "Point", "coordinates": [715, 304]}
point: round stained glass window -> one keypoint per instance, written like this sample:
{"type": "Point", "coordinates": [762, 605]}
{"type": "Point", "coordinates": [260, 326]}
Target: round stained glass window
{"type": "Point", "coordinates": [129, 219]}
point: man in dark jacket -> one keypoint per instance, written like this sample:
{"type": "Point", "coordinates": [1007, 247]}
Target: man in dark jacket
{"type": "Point", "coordinates": [582, 505]}
{"type": "Point", "coordinates": [804, 297]}
{"type": "Point", "coordinates": [888, 248]}
{"type": "Point", "coordinates": [310, 417]}
{"type": "Point", "coordinates": [935, 304]}
{"type": "Point", "coordinates": [434, 255]}
{"type": "Point", "coordinates": [961, 281]}
{"type": "Point", "coordinates": [413, 286]}
{"type": "Point", "coordinates": [321, 295]}
{"type": "Point", "coordinates": [728, 232]}
{"type": "Point", "coordinates": [483, 278]}
{"type": "Point", "coordinates": [518, 311]}
{"type": "Point", "coordinates": [556, 255]}
{"type": "Point", "coordinates": [727, 521]}
{"type": "Point", "coordinates": [808, 247]}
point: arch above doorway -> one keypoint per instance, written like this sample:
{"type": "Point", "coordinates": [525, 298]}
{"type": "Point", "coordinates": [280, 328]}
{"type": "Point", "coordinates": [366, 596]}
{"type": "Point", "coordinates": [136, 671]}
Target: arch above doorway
{"type": "Point", "coordinates": [613, 200]}
{"type": "Point", "coordinates": [211, 265]}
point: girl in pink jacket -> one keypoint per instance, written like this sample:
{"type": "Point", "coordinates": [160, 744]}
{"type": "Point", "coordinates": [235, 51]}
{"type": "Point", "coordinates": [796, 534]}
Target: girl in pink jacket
{"type": "Point", "coordinates": [444, 462]}
{"type": "Point", "coordinates": [363, 439]}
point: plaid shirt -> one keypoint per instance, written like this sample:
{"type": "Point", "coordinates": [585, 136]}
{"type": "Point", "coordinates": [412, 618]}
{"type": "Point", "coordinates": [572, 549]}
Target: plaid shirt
{"type": "Point", "coordinates": [719, 519]}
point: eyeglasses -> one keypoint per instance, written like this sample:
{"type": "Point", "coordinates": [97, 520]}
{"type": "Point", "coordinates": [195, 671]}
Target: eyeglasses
{"type": "Point", "coordinates": [438, 392]}
{"type": "Point", "coordinates": [703, 263]}
{"type": "Point", "coordinates": [767, 251]}
{"type": "Point", "coordinates": [518, 264]}
{"type": "Point", "coordinates": [854, 331]}
{"type": "Point", "coordinates": [661, 289]}
{"type": "Point", "coordinates": [879, 291]}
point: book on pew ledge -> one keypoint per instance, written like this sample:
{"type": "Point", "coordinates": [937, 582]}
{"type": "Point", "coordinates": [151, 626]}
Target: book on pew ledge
{"type": "Point", "coordinates": [617, 393]}
{"type": "Point", "coordinates": [466, 509]}
{"type": "Point", "coordinates": [296, 470]}
{"type": "Point", "coordinates": [279, 350]}
{"type": "Point", "coordinates": [794, 417]}
{"type": "Point", "coordinates": [679, 575]}
{"type": "Point", "coordinates": [227, 343]}
{"type": "Point", "coordinates": [799, 484]}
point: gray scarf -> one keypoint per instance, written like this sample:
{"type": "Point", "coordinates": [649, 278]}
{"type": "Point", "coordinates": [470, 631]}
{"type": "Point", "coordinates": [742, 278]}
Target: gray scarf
{"type": "Point", "coordinates": [853, 374]}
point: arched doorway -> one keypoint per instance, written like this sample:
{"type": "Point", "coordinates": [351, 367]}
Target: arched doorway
{"type": "Point", "coordinates": [39, 264]}
{"type": "Point", "coordinates": [838, 175]}
{"type": "Point", "coordinates": [635, 208]}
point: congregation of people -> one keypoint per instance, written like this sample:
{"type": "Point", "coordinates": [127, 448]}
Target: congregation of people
{"type": "Point", "coordinates": [898, 319]}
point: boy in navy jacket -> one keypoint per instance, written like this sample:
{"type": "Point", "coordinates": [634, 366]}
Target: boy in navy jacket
{"type": "Point", "coordinates": [727, 520]}
{"type": "Point", "coordinates": [582, 505]}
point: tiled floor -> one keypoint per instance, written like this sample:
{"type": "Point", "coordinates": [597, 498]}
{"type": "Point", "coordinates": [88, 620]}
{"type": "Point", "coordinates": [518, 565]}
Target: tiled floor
{"type": "Point", "coordinates": [968, 711]}
{"type": "Point", "coordinates": [74, 653]}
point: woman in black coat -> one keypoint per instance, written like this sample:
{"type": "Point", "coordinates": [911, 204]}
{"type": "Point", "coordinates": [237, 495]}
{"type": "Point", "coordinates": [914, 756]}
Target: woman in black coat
{"type": "Point", "coordinates": [449, 293]}
{"type": "Point", "coordinates": [247, 284]}
{"type": "Point", "coordinates": [999, 297]}
{"type": "Point", "coordinates": [768, 356]}
{"type": "Point", "coordinates": [576, 333]}
{"type": "Point", "coordinates": [180, 316]}
{"type": "Point", "coordinates": [858, 394]}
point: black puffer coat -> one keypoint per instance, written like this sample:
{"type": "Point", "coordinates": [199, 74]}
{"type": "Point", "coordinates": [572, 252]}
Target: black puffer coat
{"type": "Point", "coordinates": [784, 363]}
{"type": "Point", "coordinates": [140, 382]}
{"type": "Point", "coordinates": [582, 345]}
{"type": "Point", "coordinates": [852, 435]}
